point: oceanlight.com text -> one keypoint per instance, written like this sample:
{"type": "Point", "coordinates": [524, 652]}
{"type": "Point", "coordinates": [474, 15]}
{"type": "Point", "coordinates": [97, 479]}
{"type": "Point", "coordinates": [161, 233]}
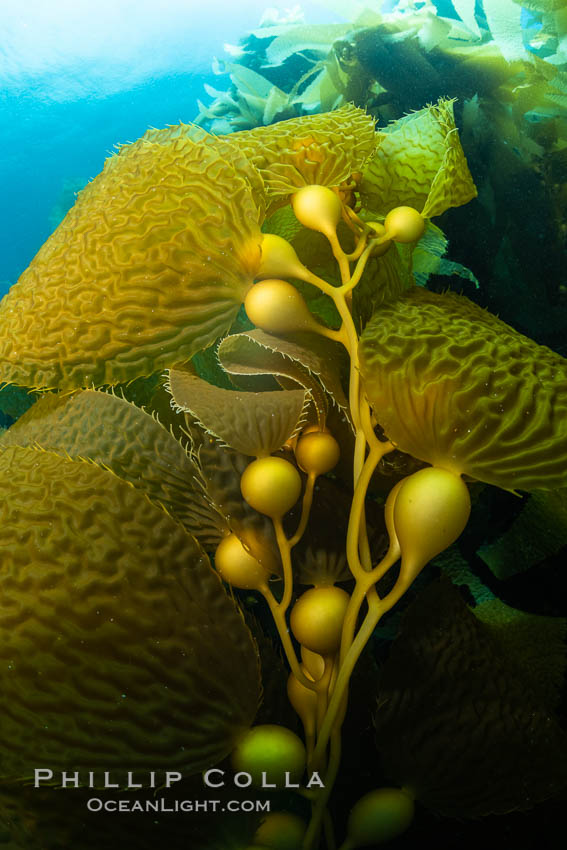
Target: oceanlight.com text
{"type": "Point", "coordinates": [125, 806]}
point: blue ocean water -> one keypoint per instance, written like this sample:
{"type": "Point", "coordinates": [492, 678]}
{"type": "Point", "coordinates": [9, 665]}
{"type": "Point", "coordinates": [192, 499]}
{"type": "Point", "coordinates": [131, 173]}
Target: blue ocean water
{"type": "Point", "coordinates": [52, 149]}
{"type": "Point", "coordinates": [78, 78]}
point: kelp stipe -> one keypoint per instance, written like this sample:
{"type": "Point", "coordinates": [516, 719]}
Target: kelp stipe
{"type": "Point", "coordinates": [350, 362]}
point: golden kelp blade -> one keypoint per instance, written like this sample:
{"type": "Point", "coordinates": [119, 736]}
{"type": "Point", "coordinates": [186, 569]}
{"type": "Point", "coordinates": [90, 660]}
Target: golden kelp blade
{"type": "Point", "coordinates": [322, 357]}
{"type": "Point", "coordinates": [115, 633]}
{"type": "Point", "coordinates": [319, 149]}
{"type": "Point", "coordinates": [252, 423]}
{"type": "Point", "coordinates": [119, 436]}
{"type": "Point", "coordinates": [457, 723]}
{"type": "Point", "coordinates": [456, 387]}
{"type": "Point", "coordinates": [419, 163]}
{"type": "Point", "coordinates": [225, 146]}
{"type": "Point", "coordinates": [150, 266]}
{"type": "Point", "coordinates": [306, 358]}
{"type": "Point", "coordinates": [242, 358]}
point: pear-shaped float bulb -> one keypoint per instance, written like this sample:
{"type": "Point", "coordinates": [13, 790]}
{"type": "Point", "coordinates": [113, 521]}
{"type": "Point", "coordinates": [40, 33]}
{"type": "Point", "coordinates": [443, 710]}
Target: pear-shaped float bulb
{"type": "Point", "coordinates": [263, 550]}
{"type": "Point", "coordinates": [269, 752]}
{"type": "Point", "coordinates": [431, 509]}
{"type": "Point", "coordinates": [318, 208]}
{"type": "Point", "coordinates": [278, 307]}
{"type": "Point", "coordinates": [279, 259]}
{"type": "Point", "coordinates": [403, 224]}
{"type": "Point", "coordinates": [317, 617]}
{"type": "Point", "coordinates": [378, 817]}
{"type": "Point", "coordinates": [271, 485]}
{"type": "Point", "coordinates": [238, 567]}
{"type": "Point", "coordinates": [317, 453]}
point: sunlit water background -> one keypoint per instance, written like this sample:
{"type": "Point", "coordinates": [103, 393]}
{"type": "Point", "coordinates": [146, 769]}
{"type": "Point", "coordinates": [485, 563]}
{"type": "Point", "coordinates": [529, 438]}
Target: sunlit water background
{"type": "Point", "coordinates": [77, 78]}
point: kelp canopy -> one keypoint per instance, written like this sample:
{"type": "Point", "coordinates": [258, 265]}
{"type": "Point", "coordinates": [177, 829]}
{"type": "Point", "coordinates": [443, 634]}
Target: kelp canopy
{"type": "Point", "coordinates": [506, 64]}
{"type": "Point", "coordinates": [397, 58]}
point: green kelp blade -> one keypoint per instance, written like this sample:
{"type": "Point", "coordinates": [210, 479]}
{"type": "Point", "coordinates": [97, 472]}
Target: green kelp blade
{"type": "Point", "coordinates": [535, 643]}
{"type": "Point", "coordinates": [428, 257]}
{"type": "Point", "coordinates": [465, 9]}
{"type": "Point", "coordinates": [321, 357]}
{"type": "Point", "coordinates": [504, 22]}
{"type": "Point", "coordinates": [413, 263]}
{"type": "Point", "coordinates": [121, 437]}
{"type": "Point", "coordinates": [384, 279]}
{"type": "Point", "coordinates": [277, 103]}
{"type": "Point", "coordinates": [325, 91]}
{"type": "Point", "coordinates": [150, 266]}
{"type": "Point", "coordinates": [458, 570]}
{"type": "Point", "coordinates": [252, 423]}
{"type": "Point", "coordinates": [296, 39]}
{"type": "Point", "coordinates": [542, 5]}
{"type": "Point", "coordinates": [538, 532]}
{"type": "Point", "coordinates": [419, 163]}
{"type": "Point", "coordinates": [283, 223]}
{"type": "Point", "coordinates": [454, 386]}
{"type": "Point", "coordinates": [119, 648]}
{"type": "Point", "coordinates": [246, 80]}
{"type": "Point", "coordinates": [456, 721]}
{"type": "Point", "coordinates": [50, 817]}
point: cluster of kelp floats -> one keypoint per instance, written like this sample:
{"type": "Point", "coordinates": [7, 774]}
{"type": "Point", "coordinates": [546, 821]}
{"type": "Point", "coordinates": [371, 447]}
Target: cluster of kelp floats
{"type": "Point", "coordinates": [311, 452]}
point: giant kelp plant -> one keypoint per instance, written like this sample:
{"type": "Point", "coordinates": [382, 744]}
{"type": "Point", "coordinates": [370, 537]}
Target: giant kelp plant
{"type": "Point", "coordinates": [506, 63]}
{"type": "Point", "coordinates": [131, 497]}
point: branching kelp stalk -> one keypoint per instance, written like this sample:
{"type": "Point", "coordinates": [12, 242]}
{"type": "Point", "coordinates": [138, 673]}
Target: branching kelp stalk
{"type": "Point", "coordinates": [320, 227]}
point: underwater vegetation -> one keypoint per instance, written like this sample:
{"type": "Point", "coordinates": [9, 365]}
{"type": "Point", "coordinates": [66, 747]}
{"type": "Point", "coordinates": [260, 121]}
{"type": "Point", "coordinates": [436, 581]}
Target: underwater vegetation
{"type": "Point", "coordinates": [252, 428]}
{"type": "Point", "coordinates": [504, 61]}
{"type": "Point", "coordinates": [396, 60]}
